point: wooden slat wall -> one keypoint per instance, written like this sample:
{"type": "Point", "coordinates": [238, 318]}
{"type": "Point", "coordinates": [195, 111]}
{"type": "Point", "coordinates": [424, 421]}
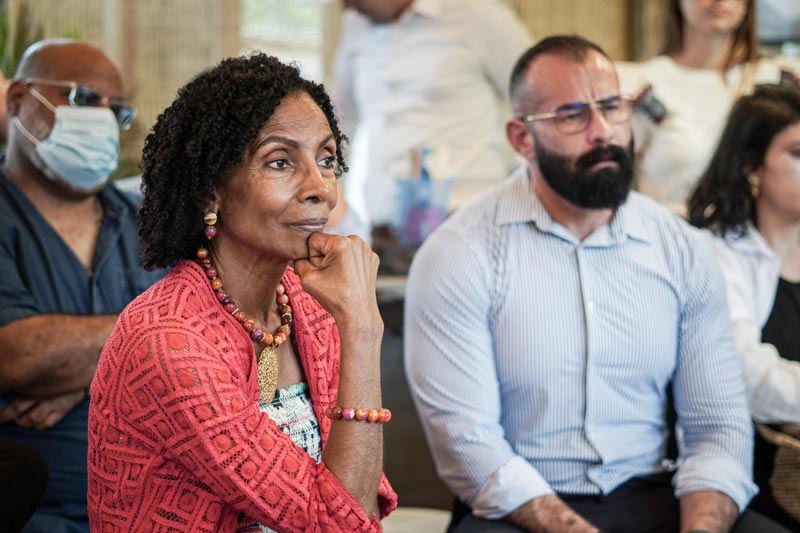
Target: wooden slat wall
{"type": "Point", "coordinates": [604, 22]}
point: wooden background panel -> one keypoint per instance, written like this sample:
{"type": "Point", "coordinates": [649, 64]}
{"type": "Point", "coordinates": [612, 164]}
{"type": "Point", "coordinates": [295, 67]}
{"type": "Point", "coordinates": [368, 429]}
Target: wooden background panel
{"type": "Point", "coordinates": [604, 22]}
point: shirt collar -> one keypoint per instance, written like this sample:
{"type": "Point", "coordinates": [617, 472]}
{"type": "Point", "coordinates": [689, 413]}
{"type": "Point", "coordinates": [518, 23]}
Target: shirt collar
{"type": "Point", "coordinates": [750, 242]}
{"type": "Point", "coordinates": [519, 203]}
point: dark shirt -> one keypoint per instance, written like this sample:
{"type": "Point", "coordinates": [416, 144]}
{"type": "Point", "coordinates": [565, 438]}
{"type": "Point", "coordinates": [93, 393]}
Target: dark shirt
{"type": "Point", "coordinates": [41, 275]}
{"type": "Point", "coordinates": [781, 330]}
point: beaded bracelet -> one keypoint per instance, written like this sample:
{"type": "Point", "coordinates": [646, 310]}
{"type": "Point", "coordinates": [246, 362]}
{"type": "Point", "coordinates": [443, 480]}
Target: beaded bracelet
{"type": "Point", "coordinates": [378, 416]}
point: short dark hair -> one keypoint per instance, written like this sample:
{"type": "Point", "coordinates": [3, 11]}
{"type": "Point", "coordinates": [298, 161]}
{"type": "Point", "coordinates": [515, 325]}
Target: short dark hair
{"type": "Point", "coordinates": [722, 200]}
{"type": "Point", "coordinates": [573, 47]}
{"type": "Point", "coordinates": [198, 141]}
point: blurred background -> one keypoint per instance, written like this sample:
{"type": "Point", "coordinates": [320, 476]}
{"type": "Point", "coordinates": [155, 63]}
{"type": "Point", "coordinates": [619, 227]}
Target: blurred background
{"type": "Point", "coordinates": [159, 45]}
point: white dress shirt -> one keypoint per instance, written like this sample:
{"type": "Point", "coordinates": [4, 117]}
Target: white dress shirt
{"type": "Point", "coordinates": [436, 77]}
{"type": "Point", "coordinates": [540, 363]}
{"type": "Point", "coordinates": [751, 270]}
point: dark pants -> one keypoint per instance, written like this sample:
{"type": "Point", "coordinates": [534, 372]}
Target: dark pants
{"type": "Point", "coordinates": [23, 476]}
{"type": "Point", "coordinates": [640, 505]}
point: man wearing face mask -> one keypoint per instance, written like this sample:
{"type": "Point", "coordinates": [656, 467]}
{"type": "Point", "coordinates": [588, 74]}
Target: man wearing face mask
{"type": "Point", "coordinates": [546, 320]}
{"type": "Point", "coordinates": [69, 257]}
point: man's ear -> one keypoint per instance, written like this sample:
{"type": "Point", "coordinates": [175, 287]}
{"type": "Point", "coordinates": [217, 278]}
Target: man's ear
{"type": "Point", "coordinates": [14, 94]}
{"type": "Point", "coordinates": [521, 139]}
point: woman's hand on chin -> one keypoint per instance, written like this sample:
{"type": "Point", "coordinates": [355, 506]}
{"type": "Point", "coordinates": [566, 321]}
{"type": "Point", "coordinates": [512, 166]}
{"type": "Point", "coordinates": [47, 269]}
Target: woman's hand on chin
{"type": "Point", "coordinates": [340, 273]}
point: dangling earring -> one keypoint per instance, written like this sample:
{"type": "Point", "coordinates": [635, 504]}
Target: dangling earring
{"type": "Point", "coordinates": [210, 219]}
{"type": "Point", "coordinates": [755, 185]}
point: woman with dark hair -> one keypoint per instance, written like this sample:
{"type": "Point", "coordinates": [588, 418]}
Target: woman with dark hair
{"type": "Point", "coordinates": [749, 197]}
{"type": "Point", "coordinates": [253, 403]}
{"type": "Point", "coordinates": [709, 58]}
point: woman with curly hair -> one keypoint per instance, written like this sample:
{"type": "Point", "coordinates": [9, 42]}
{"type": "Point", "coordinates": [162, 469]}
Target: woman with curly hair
{"type": "Point", "coordinates": [242, 392]}
{"type": "Point", "coordinates": [749, 197]}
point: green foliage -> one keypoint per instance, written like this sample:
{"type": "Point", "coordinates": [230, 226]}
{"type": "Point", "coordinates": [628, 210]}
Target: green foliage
{"type": "Point", "coordinates": [15, 37]}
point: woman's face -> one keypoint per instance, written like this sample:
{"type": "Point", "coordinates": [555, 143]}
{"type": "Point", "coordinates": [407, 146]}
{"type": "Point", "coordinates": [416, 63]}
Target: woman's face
{"type": "Point", "coordinates": [713, 16]}
{"type": "Point", "coordinates": [284, 188]}
{"type": "Point", "coordinates": [780, 175]}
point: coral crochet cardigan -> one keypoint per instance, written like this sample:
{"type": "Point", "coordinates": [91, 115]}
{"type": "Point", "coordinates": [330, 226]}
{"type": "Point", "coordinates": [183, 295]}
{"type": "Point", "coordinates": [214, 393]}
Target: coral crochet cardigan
{"type": "Point", "coordinates": [176, 438]}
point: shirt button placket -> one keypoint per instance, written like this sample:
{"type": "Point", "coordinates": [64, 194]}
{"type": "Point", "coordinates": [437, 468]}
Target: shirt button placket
{"type": "Point", "coordinates": [588, 317]}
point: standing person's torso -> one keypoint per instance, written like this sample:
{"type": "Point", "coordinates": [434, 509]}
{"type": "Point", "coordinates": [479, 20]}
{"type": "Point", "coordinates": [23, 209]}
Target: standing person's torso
{"type": "Point", "coordinates": [423, 81]}
{"type": "Point", "coordinates": [671, 156]}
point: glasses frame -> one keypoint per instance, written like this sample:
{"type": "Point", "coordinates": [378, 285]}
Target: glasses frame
{"type": "Point", "coordinates": [116, 105]}
{"type": "Point", "coordinates": [594, 104]}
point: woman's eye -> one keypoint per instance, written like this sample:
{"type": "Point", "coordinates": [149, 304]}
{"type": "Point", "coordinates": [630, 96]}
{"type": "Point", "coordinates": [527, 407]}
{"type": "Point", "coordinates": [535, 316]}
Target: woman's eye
{"type": "Point", "coordinates": [328, 162]}
{"type": "Point", "coordinates": [279, 164]}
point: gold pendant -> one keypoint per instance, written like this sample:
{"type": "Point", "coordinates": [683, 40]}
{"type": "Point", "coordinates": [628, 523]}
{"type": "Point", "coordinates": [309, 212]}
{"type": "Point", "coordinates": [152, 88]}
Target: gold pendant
{"type": "Point", "coordinates": [268, 373]}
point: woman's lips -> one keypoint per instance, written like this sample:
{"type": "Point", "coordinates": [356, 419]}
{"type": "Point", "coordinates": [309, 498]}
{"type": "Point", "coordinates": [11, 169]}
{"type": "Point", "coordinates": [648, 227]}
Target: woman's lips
{"type": "Point", "coordinates": [309, 226]}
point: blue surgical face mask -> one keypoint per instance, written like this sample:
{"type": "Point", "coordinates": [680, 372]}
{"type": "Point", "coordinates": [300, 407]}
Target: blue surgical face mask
{"type": "Point", "coordinates": [82, 148]}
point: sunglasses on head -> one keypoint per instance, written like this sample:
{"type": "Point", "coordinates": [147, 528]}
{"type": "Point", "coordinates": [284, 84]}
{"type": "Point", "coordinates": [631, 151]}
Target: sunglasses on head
{"type": "Point", "coordinates": [81, 95]}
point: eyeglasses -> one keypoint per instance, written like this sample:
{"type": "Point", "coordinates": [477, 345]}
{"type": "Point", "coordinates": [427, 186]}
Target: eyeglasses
{"type": "Point", "coordinates": [85, 96]}
{"type": "Point", "coordinates": [575, 117]}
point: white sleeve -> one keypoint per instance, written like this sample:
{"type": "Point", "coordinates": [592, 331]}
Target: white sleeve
{"type": "Point", "coordinates": [773, 383]}
{"type": "Point", "coordinates": [341, 86]}
{"type": "Point", "coordinates": [504, 39]}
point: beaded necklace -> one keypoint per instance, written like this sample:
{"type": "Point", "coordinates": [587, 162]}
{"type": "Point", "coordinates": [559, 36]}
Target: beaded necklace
{"type": "Point", "coordinates": [268, 359]}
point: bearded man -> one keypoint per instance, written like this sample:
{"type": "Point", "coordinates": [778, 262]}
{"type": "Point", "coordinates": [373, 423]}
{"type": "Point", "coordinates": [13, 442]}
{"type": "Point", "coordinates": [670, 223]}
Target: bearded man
{"type": "Point", "coordinates": [546, 321]}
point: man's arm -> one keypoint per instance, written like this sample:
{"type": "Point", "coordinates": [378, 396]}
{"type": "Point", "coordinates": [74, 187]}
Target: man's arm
{"type": "Point", "coordinates": [450, 364]}
{"type": "Point", "coordinates": [717, 452]}
{"type": "Point", "coordinates": [707, 510]}
{"type": "Point", "coordinates": [48, 355]}
{"type": "Point", "coordinates": [549, 513]}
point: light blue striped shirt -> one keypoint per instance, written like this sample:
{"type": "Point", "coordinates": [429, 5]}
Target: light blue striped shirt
{"type": "Point", "coordinates": [539, 363]}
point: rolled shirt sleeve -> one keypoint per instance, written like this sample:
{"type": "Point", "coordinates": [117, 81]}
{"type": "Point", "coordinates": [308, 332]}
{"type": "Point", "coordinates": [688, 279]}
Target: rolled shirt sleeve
{"type": "Point", "coordinates": [717, 451]}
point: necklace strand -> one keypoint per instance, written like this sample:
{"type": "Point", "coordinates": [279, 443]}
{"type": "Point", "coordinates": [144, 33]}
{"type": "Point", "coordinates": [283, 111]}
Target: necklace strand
{"type": "Point", "coordinates": [268, 360]}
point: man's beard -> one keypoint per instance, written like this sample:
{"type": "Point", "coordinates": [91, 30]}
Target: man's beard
{"type": "Point", "coordinates": [606, 188]}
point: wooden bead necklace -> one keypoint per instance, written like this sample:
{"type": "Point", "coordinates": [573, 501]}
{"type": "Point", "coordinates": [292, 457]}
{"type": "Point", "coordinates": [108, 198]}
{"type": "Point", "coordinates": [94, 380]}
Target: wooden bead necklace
{"type": "Point", "coordinates": [268, 359]}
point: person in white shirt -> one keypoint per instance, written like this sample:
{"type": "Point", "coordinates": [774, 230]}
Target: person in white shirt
{"type": "Point", "coordinates": [709, 59]}
{"type": "Point", "coordinates": [410, 74]}
{"type": "Point", "coordinates": [749, 197]}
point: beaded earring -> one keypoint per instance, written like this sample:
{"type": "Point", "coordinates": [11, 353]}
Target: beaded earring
{"type": "Point", "coordinates": [268, 359]}
{"type": "Point", "coordinates": [210, 219]}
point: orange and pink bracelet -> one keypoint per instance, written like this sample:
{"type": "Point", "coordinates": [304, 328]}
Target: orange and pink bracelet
{"type": "Point", "coordinates": [359, 414]}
